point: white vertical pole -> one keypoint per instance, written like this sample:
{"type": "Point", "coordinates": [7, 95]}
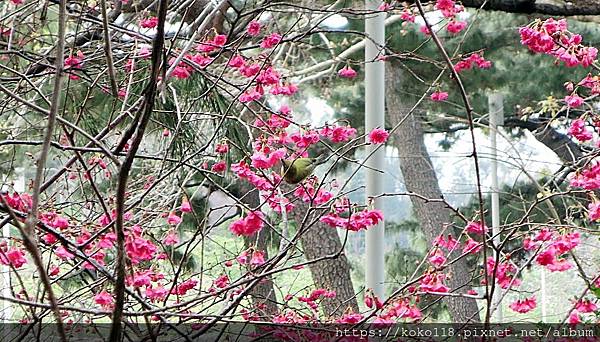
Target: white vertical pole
{"type": "Point", "coordinates": [374, 117]}
{"type": "Point", "coordinates": [6, 305]}
{"type": "Point", "coordinates": [496, 117]}
{"type": "Point", "coordinates": [543, 290]}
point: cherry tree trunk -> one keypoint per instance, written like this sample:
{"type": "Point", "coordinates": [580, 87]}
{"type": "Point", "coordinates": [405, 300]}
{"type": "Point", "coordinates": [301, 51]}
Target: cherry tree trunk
{"type": "Point", "coordinates": [263, 294]}
{"type": "Point", "coordinates": [319, 240]}
{"type": "Point", "coordinates": [420, 178]}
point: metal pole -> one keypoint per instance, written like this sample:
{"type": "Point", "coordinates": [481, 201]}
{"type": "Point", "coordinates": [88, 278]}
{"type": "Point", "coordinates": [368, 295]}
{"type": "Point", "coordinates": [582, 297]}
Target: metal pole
{"type": "Point", "coordinates": [374, 117]}
{"type": "Point", "coordinates": [496, 117]}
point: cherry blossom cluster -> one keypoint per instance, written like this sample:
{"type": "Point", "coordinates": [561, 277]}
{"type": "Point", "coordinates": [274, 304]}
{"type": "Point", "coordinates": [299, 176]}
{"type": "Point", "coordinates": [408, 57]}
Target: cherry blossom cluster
{"type": "Point", "coordinates": [450, 9]}
{"type": "Point", "coordinates": [553, 38]}
{"type": "Point", "coordinates": [473, 60]}
{"type": "Point", "coordinates": [504, 272]}
{"type": "Point", "coordinates": [589, 179]}
{"type": "Point", "coordinates": [138, 250]}
{"type": "Point", "coordinates": [523, 305]}
{"type": "Point", "coordinates": [583, 306]}
{"type": "Point", "coordinates": [356, 221]}
{"type": "Point", "coordinates": [552, 248]}
{"type": "Point", "coordinates": [74, 63]}
{"type": "Point", "coordinates": [248, 225]}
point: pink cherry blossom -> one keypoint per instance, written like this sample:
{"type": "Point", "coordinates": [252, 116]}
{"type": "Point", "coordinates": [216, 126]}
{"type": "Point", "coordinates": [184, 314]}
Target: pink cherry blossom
{"type": "Point", "coordinates": [104, 299]}
{"type": "Point", "coordinates": [378, 136]}
{"type": "Point", "coordinates": [243, 171]}
{"type": "Point", "coordinates": [270, 41]}
{"type": "Point", "coordinates": [250, 70]}
{"type": "Point", "coordinates": [573, 101]}
{"type": "Point", "coordinates": [347, 72]}
{"type": "Point", "coordinates": [308, 192]}
{"type": "Point", "coordinates": [284, 88]}
{"type": "Point", "coordinates": [434, 283]}
{"type": "Point", "coordinates": [529, 245]}
{"type": "Point", "coordinates": [578, 130]}
{"type": "Point", "coordinates": [258, 258]}
{"type": "Point", "coordinates": [74, 63]}
{"type": "Point", "coordinates": [173, 219]}
{"type": "Point", "coordinates": [505, 273]}
{"type": "Point", "coordinates": [437, 259]}
{"type": "Point", "coordinates": [268, 76]}
{"type": "Point", "coordinates": [472, 246]}
{"type": "Point", "coordinates": [150, 22]}
{"type": "Point", "coordinates": [219, 167]}
{"type": "Point", "coordinates": [574, 318]}
{"type": "Point", "coordinates": [157, 293]}
{"type": "Point", "coordinates": [455, 27]}
{"type": "Point", "coordinates": [171, 238]}
{"type": "Point", "coordinates": [107, 240]}
{"type": "Point", "coordinates": [350, 318]}
{"type": "Point", "coordinates": [305, 139]}
{"type": "Point", "coordinates": [472, 60]}
{"type": "Point", "coordinates": [13, 256]}
{"type": "Point", "coordinates": [524, 305]}
{"type": "Point", "coordinates": [560, 265]}
{"type": "Point", "coordinates": [406, 15]}
{"type": "Point", "coordinates": [551, 37]}
{"type": "Point", "coordinates": [219, 40]}
{"type": "Point", "coordinates": [185, 286]}
{"type": "Point", "coordinates": [242, 258]}
{"type": "Point", "coordinates": [439, 96]}
{"type": "Point", "coordinates": [262, 160]}
{"type": "Point", "coordinates": [20, 202]}
{"type": "Point", "coordinates": [476, 227]}
{"type": "Point", "coordinates": [185, 206]}
{"type": "Point", "coordinates": [208, 46]}
{"type": "Point", "coordinates": [357, 221]}
{"type": "Point", "coordinates": [588, 178]}
{"type": "Point", "coordinates": [338, 134]}
{"type": "Point", "coordinates": [250, 95]}
{"type": "Point", "coordinates": [141, 279]}
{"type": "Point", "coordinates": [222, 148]}
{"type": "Point", "coordinates": [586, 306]}
{"type": "Point", "coordinates": [222, 281]}
{"type": "Point", "coordinates": [384, 7]}
{"type": "Point", "coordinates": [248, 225]}
{"type": "Point", "coordinates": [236, 61]}
{"type": "Point", "coordinates": [543, 235]}
{"type": "Point", "coordinates": [547, 257]}
{"type": "Point", "coordinates": [279, 203]}
{"type": "Point", "coordinates": [449, 243]}
{"type": "Point", "coordinates": [594, 211]}
{"type": "Point", "coordinates": [62, 253]}
{"type": "Point", "coordinates": [253, 28]}
{"type": "Point", "coordinates": [54, 271]}
{"type": "Point", "coordinates": [139, 249]}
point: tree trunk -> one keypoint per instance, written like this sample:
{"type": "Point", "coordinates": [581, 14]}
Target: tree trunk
{"type": "Point", "coordinates": [420, 178]}
{"type": "Point", "coordinates": [320, 240]}
{"type": "Point", "coordinates": [263, 294]}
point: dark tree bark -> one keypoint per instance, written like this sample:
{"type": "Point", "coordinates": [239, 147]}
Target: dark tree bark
{"type": "Point", "coordinates": [420, 178]}
{"type": "Point", "coordinates": [561, 144]}
{"type": "Point", "coordinates": [548, 7]}
{"type": "Point", "coordinates": [319, 240]}
{"type": "Point", "coordinates": [263, 295]}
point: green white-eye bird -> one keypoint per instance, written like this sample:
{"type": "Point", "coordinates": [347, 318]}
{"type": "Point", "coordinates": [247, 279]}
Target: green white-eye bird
{"type": "Point", "coordinates": [295, 171]}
